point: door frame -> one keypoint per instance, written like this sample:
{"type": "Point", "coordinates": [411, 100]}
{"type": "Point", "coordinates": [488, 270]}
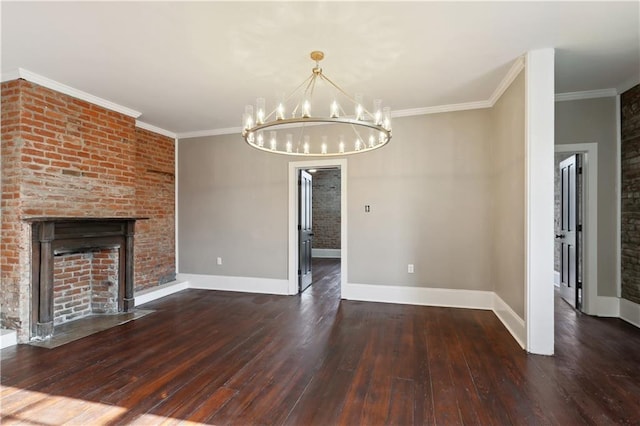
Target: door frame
{"type": "Point", "coordinates": [589, 223]}
{"type": "Point", "coordinates": [294, 166]}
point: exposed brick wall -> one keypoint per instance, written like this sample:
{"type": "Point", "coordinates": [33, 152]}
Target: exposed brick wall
{"type": "Point", "coordinates": [326, 209]}
{"type": "Point", "coordinates": [13, 271]}
{"type": "Point", "coordinates": [62, 156]}
{"type": "Point", "coordinates": [630, 215]}
{"type": "Point", "coordinates": [155, 196]}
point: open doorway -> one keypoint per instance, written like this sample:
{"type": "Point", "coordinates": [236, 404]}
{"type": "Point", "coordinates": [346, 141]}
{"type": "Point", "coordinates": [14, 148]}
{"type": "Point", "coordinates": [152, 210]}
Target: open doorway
{"type": "Point", "coordinates": [340, 169]}
{"type": "Point", "coordinates": [580, 287]}
{"type": "Point", "coordinates": [568, 227]}
{"type": "Point", "coordinates": [319, 218]}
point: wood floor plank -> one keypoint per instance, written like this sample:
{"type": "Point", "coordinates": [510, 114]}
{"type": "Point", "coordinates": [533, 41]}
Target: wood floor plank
{"type": "Point", "coordinates": [209, 357]}
{"type": "Point", "coordinates": [445, 403]}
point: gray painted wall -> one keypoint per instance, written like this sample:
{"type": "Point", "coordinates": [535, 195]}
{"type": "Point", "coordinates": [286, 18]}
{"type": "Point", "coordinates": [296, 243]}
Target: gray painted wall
{"type": "Point", "coordinates": [589, 121]}
{"type": "Point", "coordinates": [507, 195]}
{"type": "Point", "coordinates": [232, 203]}
{"type": "Point", "coordinates": [428, 192]}
{"type": "Point", "coordinates": [432, 193]}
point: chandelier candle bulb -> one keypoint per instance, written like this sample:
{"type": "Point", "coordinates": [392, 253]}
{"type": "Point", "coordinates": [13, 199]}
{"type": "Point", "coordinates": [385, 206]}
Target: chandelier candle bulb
{"type": "Point", "coordinates": [272, 140]}
{"type": "Point", "coordinates": [377, 111]}
{"type": "Point", "coordinates": [248, 117]}
{"type": "Point", "coordinates": [260, 110]}
{"type": "Point", "coordinates": [359, 108]}
{"type": "Point", "coordinates": [289, 142]}
{"type": "Point", "coordinates": [309, 133]}
{"type": "Point", "coordinates": [306, 145]}
{"type": "Point", "coordinates": [280, 111]}
{"type": "Point", "coordinates": [386, 118]}
{"type": "Point", "coordinates": [306, 108]}
{"type": "Point", "coordinates": [335, 109]}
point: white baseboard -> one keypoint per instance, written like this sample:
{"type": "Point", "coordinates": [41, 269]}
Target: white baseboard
{"type": "Point", "coordinates": [332, 253]}
{"type": "Point", "coordinates": [229, 283]}
{"type": "Point", "coordinates": [511, 320]}
{"type": "Point", "coordinates": [451, 298]}
{"type": "Point", "coordinates": [607, 306]}
{"type": "Point", "coordinates": [556, 278]}
{"type": "Point", "coordinates": [630, 312]}
{"type": "Point", "coordinates": [148, 295]}
{"type": "Point", "coordinates": [8, 338]}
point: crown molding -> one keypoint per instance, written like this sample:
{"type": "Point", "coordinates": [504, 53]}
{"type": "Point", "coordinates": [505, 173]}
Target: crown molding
{"type": "Point", "coordinates": [212, 132]}
{"type": "Point", "coordinates": [67, 90]}
{"type": "Point", "coordinates": [154, 129]}
{"type": "Point", "coordinates": [440, 108]}
{"type": "Point", "coordinates": [588, 94]}
{"type": "Point", "coordinates": [514, 71]}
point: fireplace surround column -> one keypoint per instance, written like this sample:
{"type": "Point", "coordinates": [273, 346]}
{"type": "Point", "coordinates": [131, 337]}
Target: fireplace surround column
{"type": "Point", "coordinates": [44, 324]}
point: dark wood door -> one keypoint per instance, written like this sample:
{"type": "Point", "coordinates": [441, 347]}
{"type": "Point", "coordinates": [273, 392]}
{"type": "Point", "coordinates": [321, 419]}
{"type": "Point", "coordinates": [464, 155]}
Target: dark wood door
{"type": "Point", "coordinates": [305, 230]}
{"type": "Point", "coordinates": [567, 235]}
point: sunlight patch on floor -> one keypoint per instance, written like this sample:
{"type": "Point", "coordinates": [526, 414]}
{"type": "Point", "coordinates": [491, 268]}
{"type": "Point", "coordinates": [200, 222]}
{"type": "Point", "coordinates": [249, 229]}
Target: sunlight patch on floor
{"type": "Point", "coordinates": [25, 407]}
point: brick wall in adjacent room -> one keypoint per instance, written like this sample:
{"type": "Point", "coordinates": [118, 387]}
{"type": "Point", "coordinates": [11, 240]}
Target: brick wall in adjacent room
{"type": "Point", "coordinates": [630, 203]}
{"type": "Point", "coordinates": [326, 209]}
{"type": "Point", "coordinates": [62, 156]}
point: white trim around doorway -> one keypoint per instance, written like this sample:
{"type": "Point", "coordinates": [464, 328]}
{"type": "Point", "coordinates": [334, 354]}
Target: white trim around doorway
{"type": "Point", "coordinates": [590, 224]}
{"type": "Point", "coordinates": [294, 166]}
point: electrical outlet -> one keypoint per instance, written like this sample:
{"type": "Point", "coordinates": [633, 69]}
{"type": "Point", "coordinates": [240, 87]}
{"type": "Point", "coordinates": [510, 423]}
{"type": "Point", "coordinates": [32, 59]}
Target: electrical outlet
{"type": "Point", "coordinates": [219, 261]}
{"type": "Point", "coordinates": [410, 268]}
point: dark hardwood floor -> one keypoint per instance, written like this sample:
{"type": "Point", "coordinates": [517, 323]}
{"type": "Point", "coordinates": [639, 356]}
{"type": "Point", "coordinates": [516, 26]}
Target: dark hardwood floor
{"type": "Point", "coordinates": [234, 358]}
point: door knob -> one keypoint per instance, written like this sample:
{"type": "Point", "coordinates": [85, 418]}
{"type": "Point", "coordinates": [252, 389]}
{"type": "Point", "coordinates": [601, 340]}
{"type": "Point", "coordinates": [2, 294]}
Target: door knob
{"type": "Point", "coordinates": [560, 236]}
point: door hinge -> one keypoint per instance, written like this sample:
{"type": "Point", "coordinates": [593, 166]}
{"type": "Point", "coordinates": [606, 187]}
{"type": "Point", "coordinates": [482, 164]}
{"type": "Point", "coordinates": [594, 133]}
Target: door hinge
{"type": "Point", "coordinates": [299, 227]}
{"type": "Point", "coordinates": [580, 285]}
{"type": "Point", "coordinates": [580, 170]}
{"type": "Point", "coordinates": [579, 228]}
{"type": "Point", "coordinates": [299, 271]}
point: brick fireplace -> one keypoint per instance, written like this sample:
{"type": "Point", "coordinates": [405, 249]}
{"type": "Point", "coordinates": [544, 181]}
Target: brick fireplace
{"type": "Point", "coordinates": [63, 157]}
{"type": "Point", "coordinates": [78, 236]}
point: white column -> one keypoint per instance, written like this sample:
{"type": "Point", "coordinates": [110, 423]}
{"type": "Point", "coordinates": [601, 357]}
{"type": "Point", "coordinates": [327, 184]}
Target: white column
{"type": "Point", "coordinates": [539, 193]}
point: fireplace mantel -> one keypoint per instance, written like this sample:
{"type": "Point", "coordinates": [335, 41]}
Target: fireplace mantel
{"type": "Point", "coordinates": [54, 235]}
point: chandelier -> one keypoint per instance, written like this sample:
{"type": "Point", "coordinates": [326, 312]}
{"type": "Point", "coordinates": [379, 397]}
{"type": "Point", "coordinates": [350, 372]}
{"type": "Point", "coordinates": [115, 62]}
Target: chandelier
{"type": "Point", "coordinates": [294, 126]}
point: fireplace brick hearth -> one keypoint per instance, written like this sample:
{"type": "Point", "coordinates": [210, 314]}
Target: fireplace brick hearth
{"type": "Point", "coordinates": [64, 157]}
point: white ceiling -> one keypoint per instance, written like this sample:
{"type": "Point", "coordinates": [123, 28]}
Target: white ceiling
{"type": "Point", "coordinates": [193, 66]}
